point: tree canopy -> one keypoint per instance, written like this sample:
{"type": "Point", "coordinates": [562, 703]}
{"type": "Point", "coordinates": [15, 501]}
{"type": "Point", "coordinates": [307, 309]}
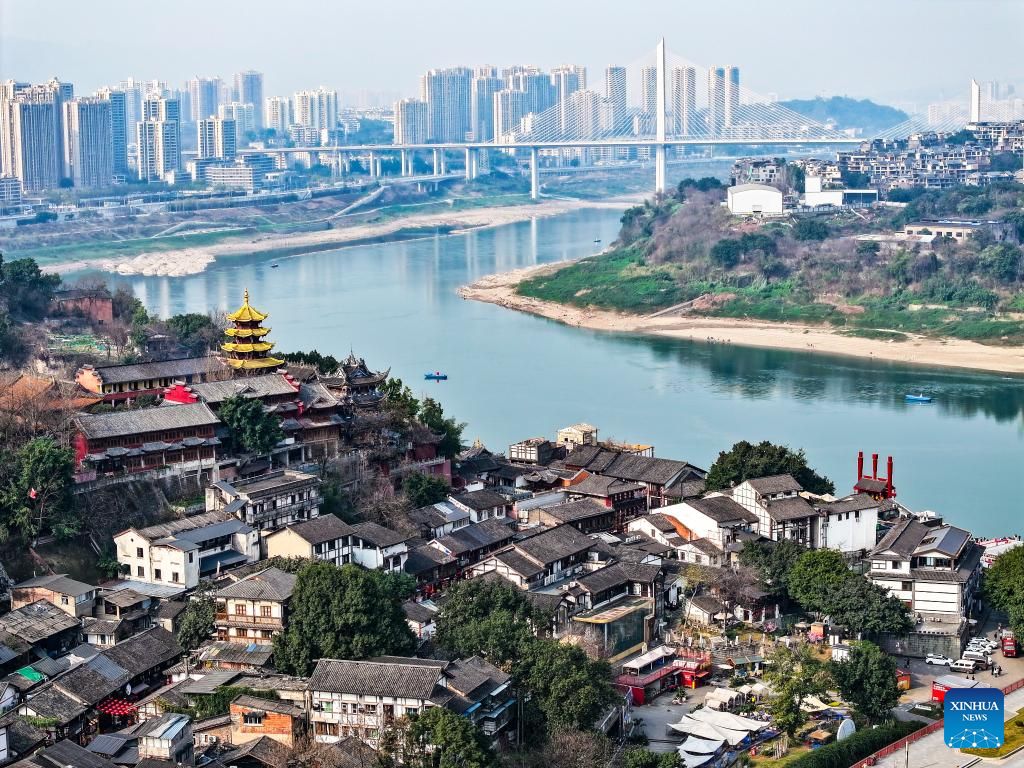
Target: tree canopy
{"type": "Point", "coordinates": [814, 575]}
{"type": "Point", "coordinates": [423, 489]}
{"type": "Point", "coordinates": [196, 623]}
{"type": "Point", "coordinates": [343, 613]}
{"type": "Point", "coordinates": [1004, 586]}
{"type": "Point", "coordinates": [432, 415]}
{"type": "Point", "coordinates": [745, 461]}
{"type": "Point", "coordinates": [196, 332]}
{"type": "Point", "coordinates": [773, 561]}
{"type": "Point", "coordinates": [251, 428]}
{"type": "Point", "coordinates": [867, 680]}
{"type": "Point", "coordinates": [26, 289]}
{"type": "Point", "coordinates": [439, 738]}
{"type": "Point", "coordinates": [35, 490]}
{"type": "Point", "coordinates": [398, 397]}
{"type": "Point", "coordinates": [794, 675]}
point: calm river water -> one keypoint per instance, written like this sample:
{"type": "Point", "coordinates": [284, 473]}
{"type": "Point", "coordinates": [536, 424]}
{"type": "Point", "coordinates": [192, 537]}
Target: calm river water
{"type": "Point", "coordinates": [514, 376]}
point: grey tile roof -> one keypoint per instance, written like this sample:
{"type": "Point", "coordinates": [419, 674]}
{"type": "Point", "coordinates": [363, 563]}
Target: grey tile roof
{"type": "Point", "coordinates": [418, 612]}
{"type": "Point", "coordinates": [474, 678]}
{"type": "Point", "coordinates": [50, 701]}
{"type": "Point", "coordinates": [902, 539]}
{"type": "Point", "coordinates": [774, 484]}
{"type": "Point", "coordinates": [264, 750]}
{"type": "Point", "coordinates": [176, 527]}
{"type": "Point", "coordinates": [37, 621]}
{"type": "Point", "coordinates": [165, 369]}
{"type": "Point", "coordinates": [518, 563]}
{"type": "Point", "coordinates": [603, 486]}
{"type": "Point", "coordinates": [59, 583]}
{"type": "Point", "coordinates": [267, 705]}
{"type": "Point", "coordinates": [628, 466]}
{"type": "Point", "coordinates": [378, 535]}
{"type": "Point", "coordinates": [321, 529]}
{"type": "Point", "coordinates": [790, 508]}
{"type": "Point", "coordinates": [269, 385]}
{"type": "Point", "coordinates": [708, 604]}
{"type": "Point", "coordinates": [424, 558]}
{"type": "Point", "coordinates": [163, 418]}
{"type": "Point", "coordinates": [722, 509]}
{"type": "Point", "coordinates": [62, 754]}
{"type": "Point", "coordinates": [210, 681]}
{"type": "Point", "coordinates": [269, 584]}
{"type": "Point", "coordinates": [707, 546]}
{"type": "Point", "coordinates": [350, 752]}
{"type": "Point", "coordinates": [852, 503]}
{"type": "Point", "coordinates": [481, 500]}
{"type": "Point", "coordinates": [477, 536]}
{"type": "Point", "coordinates": [237, 653]}
{"type": "Point", "coordinates": [554, 544]}
{"type": "Point", "coordinates": [580, 509]}
{"type": "Point", "coordinates": [145, 651]}
{"type": "Point", "coordinates": [412, 680]}
{"type": "Point", "coordinates": [660, 522]}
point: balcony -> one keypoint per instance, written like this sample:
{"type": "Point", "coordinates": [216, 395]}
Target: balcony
{"type": "Point", "coordinates": [261, 622]}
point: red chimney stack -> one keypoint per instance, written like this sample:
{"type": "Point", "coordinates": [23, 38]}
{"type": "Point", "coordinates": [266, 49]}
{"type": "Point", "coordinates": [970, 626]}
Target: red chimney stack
{"type": "Point", "coordinates": [860, 465]}
{"type": "Point", "coordinates": [889, 493]}
{"type": "Point", "coordinates": [874, 466]}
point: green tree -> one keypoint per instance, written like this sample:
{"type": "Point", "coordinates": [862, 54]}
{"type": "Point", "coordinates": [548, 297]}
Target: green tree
{"type": "Point", "coordinates": [125, 304]}
{"type": "Point", "coordinates": [26, 289]}
{"type": "Point", "coordinates": [864, 607]}
{"type": "Point", "coordinates": [251, 428]}
{"type": "Point", "coordinates": [36, 493]}
{"type": "Point", "coordinates": [810, 229]}
{"type": "Point", "coordinates": [196, 332]}
{"type": "Point", "coordinates": [794, 675]}
{"type": "Point", "coordinates": [432, 415]}
{"type": "Point", "coordinates": [746, 460]}
{"type": "Point", "coordinates": [571, 689]}
{"type": "Point", "coordinates": [196, 623]}
{"type": "Point", "coordinates": [487, 617]}
{"type": "Point", "coordinates": [443, 739]}
{"type": "Point", "coordinates": [399, 398]}
{"type": "Point", "coordinates": [641, 757]}
{"type": "Point", "coordinates": [423, 489]}
{"type": "Point", "coordinates": [1003, 262]}
{"type": "Point", "coordinates": [814, 575]}
{"type": "Point", "coordinates": [13, 349]}
{"type": "Point", "coordinates": [1003, 585]}
{"type": "Point", "coordinates": [867, 680]}
{"type": "Point", "coordinates": [343, 613]}
{"type": "Point", "coordinates": [726, 253]}
{"type": "Point", "coordinates": [773, 560]}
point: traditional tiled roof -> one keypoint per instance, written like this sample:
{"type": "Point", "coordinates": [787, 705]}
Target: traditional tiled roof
{"type": "Point", "coordinates": [437, 515]}
{"type": "Point", "coordinates": [707, 546]}
{"type": "Point", "coordinates": [603, 486]}
{"type": "Point", "coordinates": [146, 650]}
{"type": "Point", "coordinates": [482, 500]}
{"type": "Point", "coordinates": [554, 544]}
{"type": "Point", "coordinates": [415, 680]}
{"type": "Point", "coordinates": [250, 387]}
{"type": "Point", "coordinates": [64, 753]}
{"type": "Point", "coordinates": [630, 466]}
{"type": "Point", "coordinates": [852, 503]}
{"type": "Point", "coordinates": [902, 539]}
{"type": "Point", "coordinates": [37, 621]}
{"type": "Point", "coordinates": [264, 750]}
{"type": "Point", "coordinates": [789, 508]}
{"type": "Point", "coordinates": [255, 655]}
{"type": "Point", "coordinates": [580, 509]}
{"type": "Point", "coordinates": [774, 484]}
{"type": "Point", "coordinates": [474, 678]}
{"type": "Point", "coordinates": [269, 584]}
{"type": "Point", "coordinates": [518, 563]}
{"type": "Point", "coordinates": [722, 509]}
{"type": "Point", "coordinates": [179, 525]}
{"type": "Point", "coordinates": [165, 369]}
{"type": "Point", "coordinates": [321, 529]}
{"type": "Point", "coordinates": [477, 536]}
{"type": "Point", "coordinates": [59, 583]}
{"type": "Point", "coordinates": [419, 612]}
{"type": "Point", "coordinates": [378, 535]}
{"type": "Point", "coordinates": [163, 418]}
{"type": "Point", "coordinates": [708, 604]}
{"type": "Point", "coordinates": [267, 705]}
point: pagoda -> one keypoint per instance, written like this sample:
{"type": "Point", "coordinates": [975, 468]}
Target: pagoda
{"type": "Point", "coordinates": [246, 347]}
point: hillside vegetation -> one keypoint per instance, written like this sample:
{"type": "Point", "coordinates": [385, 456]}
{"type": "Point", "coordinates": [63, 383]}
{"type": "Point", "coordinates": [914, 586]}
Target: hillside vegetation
{"type": "Point", "coordinates": [686, 247]}
{"type": "Point", "coordinates": [845, 112]}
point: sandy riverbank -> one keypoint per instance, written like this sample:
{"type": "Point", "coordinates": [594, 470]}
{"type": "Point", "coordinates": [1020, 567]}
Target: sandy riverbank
{"type": "Point", "coordinates": [188, 261]}
{"type": "Point", "coordinates": [917, 350]}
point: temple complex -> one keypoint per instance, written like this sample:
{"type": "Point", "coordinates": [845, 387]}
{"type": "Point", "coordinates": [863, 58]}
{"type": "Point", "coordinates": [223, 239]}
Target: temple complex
{"type": "Point", "coordinates": [247, 350]}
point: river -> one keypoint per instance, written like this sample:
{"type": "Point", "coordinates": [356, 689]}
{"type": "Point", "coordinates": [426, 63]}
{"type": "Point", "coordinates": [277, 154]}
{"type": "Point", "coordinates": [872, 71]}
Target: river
{"type": "Point", "coordinates": [514, 376]}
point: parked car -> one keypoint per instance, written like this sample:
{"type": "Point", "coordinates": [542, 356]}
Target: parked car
{"type": "Point", "coordinates": [991, 645]}
{"type": "Point", "coordinates": [937, 658]}
{"type": "Point", "coordinates": [963, 665]}
{"type": "Point", "coordinates": [982, 659]}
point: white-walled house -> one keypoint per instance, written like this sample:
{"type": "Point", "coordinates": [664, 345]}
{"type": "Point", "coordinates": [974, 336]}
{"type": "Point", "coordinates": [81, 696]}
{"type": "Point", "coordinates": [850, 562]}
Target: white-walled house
{"type": "Point", "coordinates": [327, 538]}
{"type": "Point", "coordinates": [849, 524]}
{"type": "Point", "coordinates": [180, 552]}
{"type": "Point", "coordinates": [934, 570]}
{"type": "Point", "coordinates": [374, 546]}
{"type": "Point", "coordinates": [716, 517]}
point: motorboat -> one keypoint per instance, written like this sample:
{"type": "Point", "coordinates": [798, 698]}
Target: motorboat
{"type": "Point", "coordinates": [918, 398]}
{"type": "Point", "coordinates": [436, 376]}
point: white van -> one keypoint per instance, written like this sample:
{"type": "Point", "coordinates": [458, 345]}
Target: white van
{"type": "Point", "coordinates": [983, 660]}
{"type": "Point", "coordinates": [963, 665]}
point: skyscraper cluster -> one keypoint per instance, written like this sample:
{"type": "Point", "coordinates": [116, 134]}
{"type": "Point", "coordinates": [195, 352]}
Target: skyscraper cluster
{"type": "Point", "coordinates": [485, 104]}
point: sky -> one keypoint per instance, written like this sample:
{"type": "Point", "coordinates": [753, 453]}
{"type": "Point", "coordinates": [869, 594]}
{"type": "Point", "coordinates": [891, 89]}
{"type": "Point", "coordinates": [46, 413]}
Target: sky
{"type": "Point", "coordinates": [895, 51]}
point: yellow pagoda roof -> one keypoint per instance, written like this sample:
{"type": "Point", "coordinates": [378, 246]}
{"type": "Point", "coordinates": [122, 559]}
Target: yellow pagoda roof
{"type": "Point", "coordinates": [246, 313]}
{"type": "Point", "coordinates": [246, 332]}
{"type": "Point", "coordinates": [255, 363]}
{"type": "Point", "coordinates": [259, 346]}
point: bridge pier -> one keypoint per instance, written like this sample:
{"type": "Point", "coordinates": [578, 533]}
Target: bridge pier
{"type": "Point", "coordinates": [534, 175]}
{"type": "Point", "coordinates": [660, 169]}
{"type": "Point", "coordinates": [372, 163]}
{"type": "Point", "coordinates": [470, 164]}
{"type": "Point", "coordinates": [406, 164]}
{"type": "Point", "coordinates": [437, 162]}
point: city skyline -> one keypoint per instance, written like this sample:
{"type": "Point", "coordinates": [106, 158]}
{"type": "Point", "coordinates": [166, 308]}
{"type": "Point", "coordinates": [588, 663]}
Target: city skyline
{"type": "Point", "coordinates": [546, 37]}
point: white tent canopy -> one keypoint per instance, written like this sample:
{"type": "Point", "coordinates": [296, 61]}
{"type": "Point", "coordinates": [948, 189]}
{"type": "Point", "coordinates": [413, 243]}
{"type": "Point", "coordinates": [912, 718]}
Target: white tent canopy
{"type": "Point", "coordinates": [650, 657]}
{"type": "Point", "coordinates": [728, 720]}
{"type": "Point", "coordinates": [706, 731]}
{"type": "Point", "coordinates": [701, 746]}
{"type": "Point", "coordinates": [694, 761]}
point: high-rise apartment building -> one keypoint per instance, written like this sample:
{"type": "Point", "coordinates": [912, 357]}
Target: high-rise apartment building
{"type": "Point", "coordinates": [410, 121]}
{"type": "Point", "coordinates": [277, 114]}
{"type": "Point", "coordinates": [88, 142]}
{"type": "Point", "coordinates": [204, 97]}
{"type": "Point", "coordinates": [158, 139]}
{"type": "Point", "coordinates": [118, 127]}
{"type": "Point", "coordinates": [615, 93]}
{"type": "Point", "coordinates": [217, 138]}
{"type": "Point", "coordinates": [132, 90]}
{"type": "Point", "coordinates": [485, 84]}
{"type": "Point", "coordinates": [683, 101]}
{"type": "Point", "coordinates": [510, 107]}
{"type": "Point", "coordinates": [244, 115]}
{"type": "Point", "coordinates": [723, 98]}
{"type": "Point", "coordinates": [249, 90]}
{"type": "Point", "coordinates": [649, 90]}
{"type": "Point", "coordinates": [565, 81]}
{"type": "Point", "coordinates": [447, 95]}
{"type": "Point", "coordinates": [316, 109]}
{"type": "Point", "coordinates": [31, 149]}
{"type": "Point", "coordinates": [540, 94]}
{"type": "Point", "coordinates": [732, 95]}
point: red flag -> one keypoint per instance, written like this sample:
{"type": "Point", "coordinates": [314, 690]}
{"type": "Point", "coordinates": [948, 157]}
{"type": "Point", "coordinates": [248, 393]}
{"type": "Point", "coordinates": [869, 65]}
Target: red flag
{"type": "Point", "coordinates": [32, 493]}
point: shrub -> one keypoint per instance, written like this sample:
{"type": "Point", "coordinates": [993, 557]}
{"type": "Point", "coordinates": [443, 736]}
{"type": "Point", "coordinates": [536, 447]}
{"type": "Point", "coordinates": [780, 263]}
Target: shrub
{"type": "Point", "coordinates": [842, 754]}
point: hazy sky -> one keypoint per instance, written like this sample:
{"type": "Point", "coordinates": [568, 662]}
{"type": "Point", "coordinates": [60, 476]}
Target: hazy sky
{"type": "Point", "coordinates": [891, 50]}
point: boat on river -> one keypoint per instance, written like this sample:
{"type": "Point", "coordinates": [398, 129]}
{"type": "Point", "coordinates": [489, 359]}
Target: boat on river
{"type": "Point", "coordinates": [919, 398]}
{"type": "Point", "coordinates": [436, 376]}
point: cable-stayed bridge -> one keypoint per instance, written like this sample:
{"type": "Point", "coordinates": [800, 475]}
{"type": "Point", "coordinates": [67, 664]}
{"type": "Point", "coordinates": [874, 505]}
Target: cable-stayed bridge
{"type": "Point", "coordinates": [680, 104]}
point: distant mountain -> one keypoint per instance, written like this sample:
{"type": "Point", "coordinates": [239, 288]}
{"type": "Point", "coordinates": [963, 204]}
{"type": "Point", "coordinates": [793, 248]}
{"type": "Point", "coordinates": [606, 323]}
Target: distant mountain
{"type": "Point", "coordinates": [844, 112]}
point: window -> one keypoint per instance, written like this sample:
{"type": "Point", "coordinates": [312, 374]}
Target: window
{"type": "Point", "coordinates": [175, 577]}
{"type": "Point", "coordinates": [64, 600]}
{"type": "Point", "coordinates": [140, 572]}
{"type": "Point", "coordinates": [265, 611]}
{"type": "Point", "coordinates": [907, 586]}
{"type": "Point", "coordinates": [252, 718]}
{"type": "Point", "coordinates": [190, 556]}
{"type": "Point", "coordinates": [266, 634]}
{"type": "Point", "coordinates": [138, 551]}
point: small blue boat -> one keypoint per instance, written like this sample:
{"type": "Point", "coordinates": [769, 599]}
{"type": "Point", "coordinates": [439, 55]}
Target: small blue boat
{"type": "Point", "coordinates": [918, 398]}
{"type": "Point", "coordinates": [436, 376]}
